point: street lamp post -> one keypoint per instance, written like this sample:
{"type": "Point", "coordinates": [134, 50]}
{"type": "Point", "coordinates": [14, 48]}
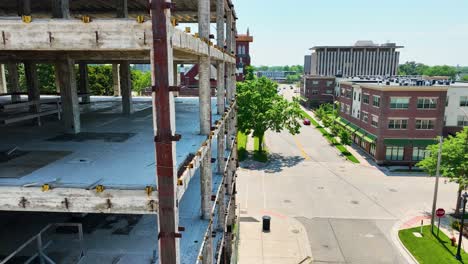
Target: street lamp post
{"type": "Point", "coordinates": [436, 186]}
{"type": "Point", "coordinates": [458, 255]}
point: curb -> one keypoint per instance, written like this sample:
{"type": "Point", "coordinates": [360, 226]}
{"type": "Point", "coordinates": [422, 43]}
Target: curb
{"type": "Point", "coordinates": [397, 242]}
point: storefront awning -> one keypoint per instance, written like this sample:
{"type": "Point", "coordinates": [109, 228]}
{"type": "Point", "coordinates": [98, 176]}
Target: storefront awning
{"type": "Point", "coordinates": [409, 142]}
{"type": "Point", "coordinates": [362, 133]}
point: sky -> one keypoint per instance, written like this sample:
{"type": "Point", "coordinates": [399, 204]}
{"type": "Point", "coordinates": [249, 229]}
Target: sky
{"type": "Point", "coordinates": [434, 32]}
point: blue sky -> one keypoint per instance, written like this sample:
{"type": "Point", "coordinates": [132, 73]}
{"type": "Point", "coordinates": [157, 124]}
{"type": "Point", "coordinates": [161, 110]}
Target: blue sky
{"type": "Point", "coordinates": [433, 32]}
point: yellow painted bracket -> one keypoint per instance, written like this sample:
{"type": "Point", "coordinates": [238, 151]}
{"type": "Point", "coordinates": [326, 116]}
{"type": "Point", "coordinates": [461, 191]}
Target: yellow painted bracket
{"type": "Point", "coordinates": [26, 19]}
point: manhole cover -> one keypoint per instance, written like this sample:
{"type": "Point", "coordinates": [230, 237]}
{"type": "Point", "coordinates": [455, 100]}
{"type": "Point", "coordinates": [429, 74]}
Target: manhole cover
{"type": "Point", "coordinates": [320, 188]}
{"type": "Point", "coordinates": [287, 201]}
{"type": "Point", "coordinates": [354, 202]}
{"type": "Point", "coordinates": [393, 190]}
{"type": "Point", "coordinates": [295, 231]}
{"type": "Point", "coordinates": [325, 246]}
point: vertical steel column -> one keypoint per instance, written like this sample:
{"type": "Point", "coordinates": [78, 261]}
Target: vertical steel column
{"type": "Point", "coordinates": [164, 115]}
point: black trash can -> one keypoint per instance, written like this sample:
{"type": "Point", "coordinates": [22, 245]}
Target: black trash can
{"type": "Point", "coordinates": [266, 223]}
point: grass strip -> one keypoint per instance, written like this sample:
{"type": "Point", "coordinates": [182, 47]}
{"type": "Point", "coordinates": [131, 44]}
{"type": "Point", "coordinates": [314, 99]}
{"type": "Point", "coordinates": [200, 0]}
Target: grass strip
{"type": "Point", "coordinates": [331, 138]}
{"type": "Point", "coordinates": [261, 156]}
{"type": "Point", "coordinates": [430, 249]}
{"type": "Point", "coordinates": [242, 146]}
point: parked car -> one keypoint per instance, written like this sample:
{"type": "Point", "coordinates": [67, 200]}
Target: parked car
{"type": "Point", "coordinates": [306, 122]}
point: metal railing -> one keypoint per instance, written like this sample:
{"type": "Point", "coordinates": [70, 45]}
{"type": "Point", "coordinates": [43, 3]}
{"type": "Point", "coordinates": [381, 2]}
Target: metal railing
{"type": "Point", "coordinates": [38, 239]}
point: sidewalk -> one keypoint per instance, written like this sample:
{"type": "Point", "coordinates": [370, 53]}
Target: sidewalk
{"type": "Point", "coordinates": [287, 241]}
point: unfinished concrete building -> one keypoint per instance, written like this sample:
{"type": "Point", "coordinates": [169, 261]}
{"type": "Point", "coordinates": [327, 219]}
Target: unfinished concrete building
{"type": "Point", "coordinates": [174, 158]}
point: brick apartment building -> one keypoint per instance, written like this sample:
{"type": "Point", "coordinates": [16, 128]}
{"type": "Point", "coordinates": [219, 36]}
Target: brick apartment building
{"type": "Point", "coordinates": [394, 124]}
{"type": "Point", "coordinates": [318, 90]}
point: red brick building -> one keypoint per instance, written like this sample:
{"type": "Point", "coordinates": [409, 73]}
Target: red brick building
{"type": "Point", "coordinates": [243, 53]}
{"type": "Point", "coordinates": [189, 79]}
{"type": "Point", "coordinates": [318, 90]}
{"type": "Point", "coordinates": [394, 124]}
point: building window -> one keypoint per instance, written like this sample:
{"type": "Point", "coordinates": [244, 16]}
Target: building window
{"type": "Point", "coordinates": [424, 124]}
{"type": "Point", "coordinates": [315, 82]}
{"type": "Point", "coordinates": [358, 114]}
{"type": "Point", "coordinates": [372, 149]}
{"type": "Point", "coordinates": [348, 109]}
{"type": "Point", "coordinates": [329, 91]}
{"type": "Point", "coordinates": [376, 101]}
{"type": "Point", "coordinates": [315, 92]}
{"type": "Point", "coordinates": [394, 153]}
{"type": "Point", "coordinates": [397, 123]}
{"type": "Point", "coordinates": [420, 153]}
{"type": "Point", "coordinates": [354, 95]}
{"type": "Point", "coordinates": [463, 100]}
{"type": "Point", "coordinates": [365, 117]}
{"type": "Point", "coordinates": [342, 107]}
{"type": "Point", "coordinates": [365, 98]}
{"type": "Point", "coordinates": [359, 97]}
{"type": "Point", "coordinates": [446, 101]}
{"type": "Point", "coordinates": [329, 83]}
{"type": "Point", "coordinates": [462, 121]}
{"type": "Point", "coordinates": [399, 103]}
{"type": "Point", "coordinates": [427, 103]}
{"type": "Point", "coordinates": [375, 121]}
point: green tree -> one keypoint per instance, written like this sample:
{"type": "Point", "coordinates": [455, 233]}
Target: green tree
{"type": "Point", "coordinates": [443, 70]}
{"type": "Point", "coordinates": [335, 129]}
{"type": "Point", "coordinates": [293, 78]}
{"type": "Point", "coordinates": [140, 80]}
{"type": "Point", "coordinates": [345, 138]}
{"type": "Point", "coordinates": [249, 73]}
{"type": "Point", "coordinates": [454, 162]}
{"type": "Point", "coordinates": [465, 78]}
{"type": "Point", "coordinates": [412, 68]}
{"type": "Point", "coordinates": [100, 79]}
{"type": "Point", "coordinates": [320, 112]}
{"type": "Point", "coordinates": [262, 109]}
{"type": "Point", "coordinates": [327, 121]}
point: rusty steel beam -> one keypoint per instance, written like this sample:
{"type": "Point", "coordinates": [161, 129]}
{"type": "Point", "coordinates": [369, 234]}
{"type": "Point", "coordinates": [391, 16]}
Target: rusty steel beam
{"type": "Point", "coordinates": [164, 138]}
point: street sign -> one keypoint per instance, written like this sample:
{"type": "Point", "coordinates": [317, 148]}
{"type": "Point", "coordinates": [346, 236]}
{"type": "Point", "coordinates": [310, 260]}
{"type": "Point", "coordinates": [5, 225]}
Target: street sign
{"type": "Point", "coordinates": [440, 212]}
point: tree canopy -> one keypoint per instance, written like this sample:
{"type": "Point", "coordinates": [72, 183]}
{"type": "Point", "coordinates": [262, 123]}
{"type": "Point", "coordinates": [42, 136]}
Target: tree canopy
{"type": "Point", "coordinates": [262, 109]}
{"type": "Point", "coordinates": [454, 162]}
{"type": "Point", "coordinates": [100, 79]}
{"type": "Point", "coordinates": [413, 68]}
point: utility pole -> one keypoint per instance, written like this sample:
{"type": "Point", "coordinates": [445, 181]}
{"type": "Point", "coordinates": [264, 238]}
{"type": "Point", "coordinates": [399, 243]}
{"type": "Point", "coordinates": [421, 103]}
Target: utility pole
{"type": "Point", "coordinates": [436, 186]}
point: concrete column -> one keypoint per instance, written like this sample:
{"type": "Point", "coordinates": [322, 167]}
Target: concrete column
{"type": "Point", "coordinates": [204, 68]}
{"type": "Point", "coordinates": [229, 29]}
{"type": "Point", "coordinates": [221, 206]}
{"type": "Point", "coordinates": [126, 87]}
{"type": "Point", "coordinates": [3, 81]}
{"type": "Point", "coordinates": [69, 96]}
{"type": "Point", "coordinates": [220, 67]}
{"type": "Point", "coordinates": [221, 149]}
{"type": "Point", "coordinates": [208, 249]}
{"type": "Point", "coordinates": [397, 61]}
{"type": "Point", "coordinates": [220, 88]}
{"type": "Point", "coordinates": [32, 83]}
{"type": "Point", "coordinates": [116, 79]}
{"type": "Point", "coordinates": [61, 9]}
{"type": "Point", "coordinates": [57, 81]}
{"type": "Point", "coordinates": [24, 7]}
{"type": "Point", "coordinates": [122, 8]}
{"type": "Point", "coordinates": [84, 83]}
{"type": "Point", "coordinates": [13, 80]}
{"type": "Point", "coordinates": [206, 180]}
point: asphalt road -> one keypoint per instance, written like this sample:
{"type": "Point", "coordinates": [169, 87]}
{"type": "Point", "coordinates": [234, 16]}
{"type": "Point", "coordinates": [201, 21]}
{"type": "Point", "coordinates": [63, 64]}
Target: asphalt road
{"type": "Point", "coordinates": [348, 211]}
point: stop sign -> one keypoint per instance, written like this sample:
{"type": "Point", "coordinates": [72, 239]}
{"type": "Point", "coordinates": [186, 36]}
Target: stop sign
{"type": "Point", "coordinates": [440, 212]}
